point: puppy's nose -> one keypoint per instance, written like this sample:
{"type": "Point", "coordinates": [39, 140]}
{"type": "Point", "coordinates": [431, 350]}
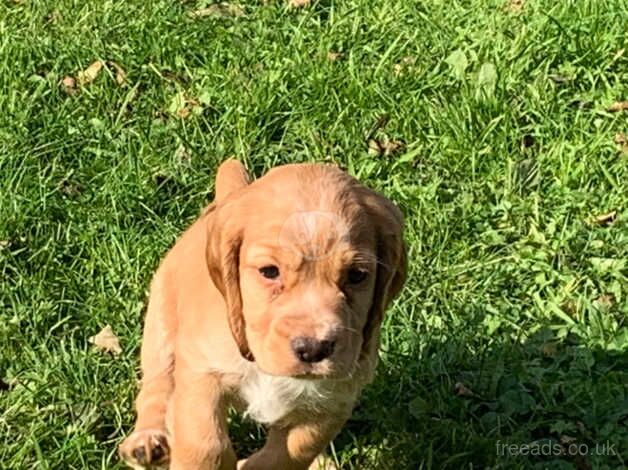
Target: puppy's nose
{"type": "Point", "coordinates": [312, 350]}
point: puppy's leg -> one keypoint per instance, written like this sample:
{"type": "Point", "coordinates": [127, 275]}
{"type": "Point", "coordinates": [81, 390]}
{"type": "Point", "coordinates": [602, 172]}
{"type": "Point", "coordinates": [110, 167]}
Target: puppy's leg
{"type": "Point", "coordinates": [148, 444]}
{"type": "Point", "coordinates": [200, 436]}
{"type": "Point", "coordinates": [296, 447]}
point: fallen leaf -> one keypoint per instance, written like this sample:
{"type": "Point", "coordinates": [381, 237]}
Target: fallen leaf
{"type": "Point", "coordinates": [549, 349]}
{"type": "Point", "coordinates": [622, 142]}
{"type": "Point", "coordinates": [221, 10]}
{"type": "Point", "coordinates": [184, 112]}
{"type": "Point", "coordinates": [120, 73]}
{"type": "Point", "coordinates": [69, 85]}
{"type": "Point", "coordinates": [515, 5]}
{"type": "Point", "coordinates": [386, 147]}
{"type": "Point", "coordinates": [182, 153]}
{"type": "Point", "coordinates": [618, 106]}
{"type": "Point", "coordinates": [605, 300]}
{"type": "Point", "coordinates": [299, 3]}
{"type": "Point", "coordinates": [87, 76]}
{"type": "Point", "coordinates": [106, 341]}
{"type": "Point", "coordinates": [70, 188]}
{"type": "Point", "coordinates": [458, 62]}
{"type": "Point", "coordinates": [183, 106]}
{"type": "Point", "coordinates": [334, 56]}
{"type": "Point", "coordinates": [605, 219]}
{"type": "Point", "coordinates": [461, 390]}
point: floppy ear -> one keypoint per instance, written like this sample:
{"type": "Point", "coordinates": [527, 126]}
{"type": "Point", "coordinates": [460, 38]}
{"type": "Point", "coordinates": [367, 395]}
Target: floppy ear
{"type": "Point", "coordinates": [231, 176]}
{"type": "Point", "coordinates": [224, 239]}
{"type": "Point", "coordinates": [391, 263]}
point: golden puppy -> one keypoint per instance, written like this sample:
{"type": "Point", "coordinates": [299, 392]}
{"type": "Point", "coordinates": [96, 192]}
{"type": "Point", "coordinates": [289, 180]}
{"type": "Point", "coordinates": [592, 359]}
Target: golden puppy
{"type": "Point", "coordinates": [272, 302]}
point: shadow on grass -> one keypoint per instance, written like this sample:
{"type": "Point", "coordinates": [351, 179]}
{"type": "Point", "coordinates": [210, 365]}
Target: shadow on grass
{"type": "Point", "coordinates": [541, 403]}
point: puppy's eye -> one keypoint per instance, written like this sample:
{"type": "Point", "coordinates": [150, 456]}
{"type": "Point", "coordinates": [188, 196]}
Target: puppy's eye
{"type": "Point", "coordinates": [269, 272]}
{"type": "Point", "coordinates": [356, 276]}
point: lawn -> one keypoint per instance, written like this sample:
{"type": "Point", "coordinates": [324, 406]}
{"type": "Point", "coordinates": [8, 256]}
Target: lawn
{"type": "Point", "coordinates": [495, 125]}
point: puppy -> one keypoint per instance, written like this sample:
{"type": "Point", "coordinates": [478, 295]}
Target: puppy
{"type": "Point", "coordinates": [271, 302]}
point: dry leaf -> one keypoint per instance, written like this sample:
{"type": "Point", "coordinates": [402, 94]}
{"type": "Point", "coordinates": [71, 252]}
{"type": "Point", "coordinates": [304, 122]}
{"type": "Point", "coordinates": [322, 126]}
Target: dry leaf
{"type": "Point", "coordinates": [183, 106]}
{"type": "Point", "coordinates": [221, 10]}
{"type": "Point", "coordinates": [605, 300]}
{"type": "Point", "coordinates": [549, 349]}
{"type": "Point", "coordinates": [182, 153]}
{"type": "Point", "coordinates": [618, 106]}
{"type": "Point", "coordinates": [605, 219]}
{"type": "Point", "coordinates": [334, 56]}
{"type": "Point", "coordinates": [515, 5]}
{"type": "Point", "coordinates": [461, 390]}
{"type": "Point", "coordinates": [120, 73]}
{"type": "Point", "coordinates": [69, 85]}
{"type": "Point", "coordinates": [622, 142]}
{"type": "Point", "coordinates": [106, 341]}
{"type": "Point", "coordinates": [70, 188]}
{"type": "Point", "coordinates": [299, 3]}
{"type": "Point", "coordinates": [385, 147]}
{"type": "Point", "coordinates": [87, 76]}
{"type": "Point", "coordinates": [190, 106]}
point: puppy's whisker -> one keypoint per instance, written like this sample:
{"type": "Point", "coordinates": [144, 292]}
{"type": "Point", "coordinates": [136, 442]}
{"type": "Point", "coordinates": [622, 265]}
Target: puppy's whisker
{"type": "Point", "coordinates": [349, 329]}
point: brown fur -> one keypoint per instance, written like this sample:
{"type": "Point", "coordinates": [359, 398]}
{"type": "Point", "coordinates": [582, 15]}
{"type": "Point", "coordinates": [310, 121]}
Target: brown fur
{"type": "Point", "coordinates": [218, 332]}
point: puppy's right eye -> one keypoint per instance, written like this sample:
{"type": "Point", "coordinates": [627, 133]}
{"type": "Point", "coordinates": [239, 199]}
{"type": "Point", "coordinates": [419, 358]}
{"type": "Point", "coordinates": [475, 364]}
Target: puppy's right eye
{"type": "Point", "coordinates": [269, 272]}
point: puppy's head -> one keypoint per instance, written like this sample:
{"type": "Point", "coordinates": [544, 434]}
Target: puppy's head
{"type": "Point", "coordinates": [307, 260]}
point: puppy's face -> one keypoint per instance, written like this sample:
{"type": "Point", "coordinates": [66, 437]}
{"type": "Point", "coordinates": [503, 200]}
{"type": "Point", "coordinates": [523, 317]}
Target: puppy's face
{"type": "Point", "coordinates": [307, 281]}
{"type": "Point", "coordinates": [315, 266]}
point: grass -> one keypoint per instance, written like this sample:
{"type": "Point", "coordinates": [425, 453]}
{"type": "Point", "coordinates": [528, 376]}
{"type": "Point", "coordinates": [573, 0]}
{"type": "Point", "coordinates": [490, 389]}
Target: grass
{"type": "Point", "coordinates": [512, 327]}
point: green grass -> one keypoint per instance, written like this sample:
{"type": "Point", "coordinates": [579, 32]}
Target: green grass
{"type": "Point", "coordinates": [514, 291]}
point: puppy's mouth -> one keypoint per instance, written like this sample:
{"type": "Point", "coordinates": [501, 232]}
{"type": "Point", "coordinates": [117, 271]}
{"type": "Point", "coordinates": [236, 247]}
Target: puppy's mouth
{"type": "Point", "coordinates": [325, 370]}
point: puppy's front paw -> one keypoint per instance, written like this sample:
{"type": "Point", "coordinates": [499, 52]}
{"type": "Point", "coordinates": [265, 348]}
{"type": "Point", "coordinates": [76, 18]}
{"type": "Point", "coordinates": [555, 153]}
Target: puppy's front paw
{"type": "Point", "coordinates": [146, 449]}
{"type": "Point", "coordinates": [323, 462]}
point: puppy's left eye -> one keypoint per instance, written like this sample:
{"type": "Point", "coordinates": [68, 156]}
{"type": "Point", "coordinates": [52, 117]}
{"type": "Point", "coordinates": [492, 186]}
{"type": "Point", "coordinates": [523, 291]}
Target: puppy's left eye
{"type": "Point", "coordinates": [356, 276]}
{"type": "Point", "coordinates": [270, 272]}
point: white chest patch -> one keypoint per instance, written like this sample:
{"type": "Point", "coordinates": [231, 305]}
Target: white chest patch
{"type": "Point", "coordinates": [270, 398]}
